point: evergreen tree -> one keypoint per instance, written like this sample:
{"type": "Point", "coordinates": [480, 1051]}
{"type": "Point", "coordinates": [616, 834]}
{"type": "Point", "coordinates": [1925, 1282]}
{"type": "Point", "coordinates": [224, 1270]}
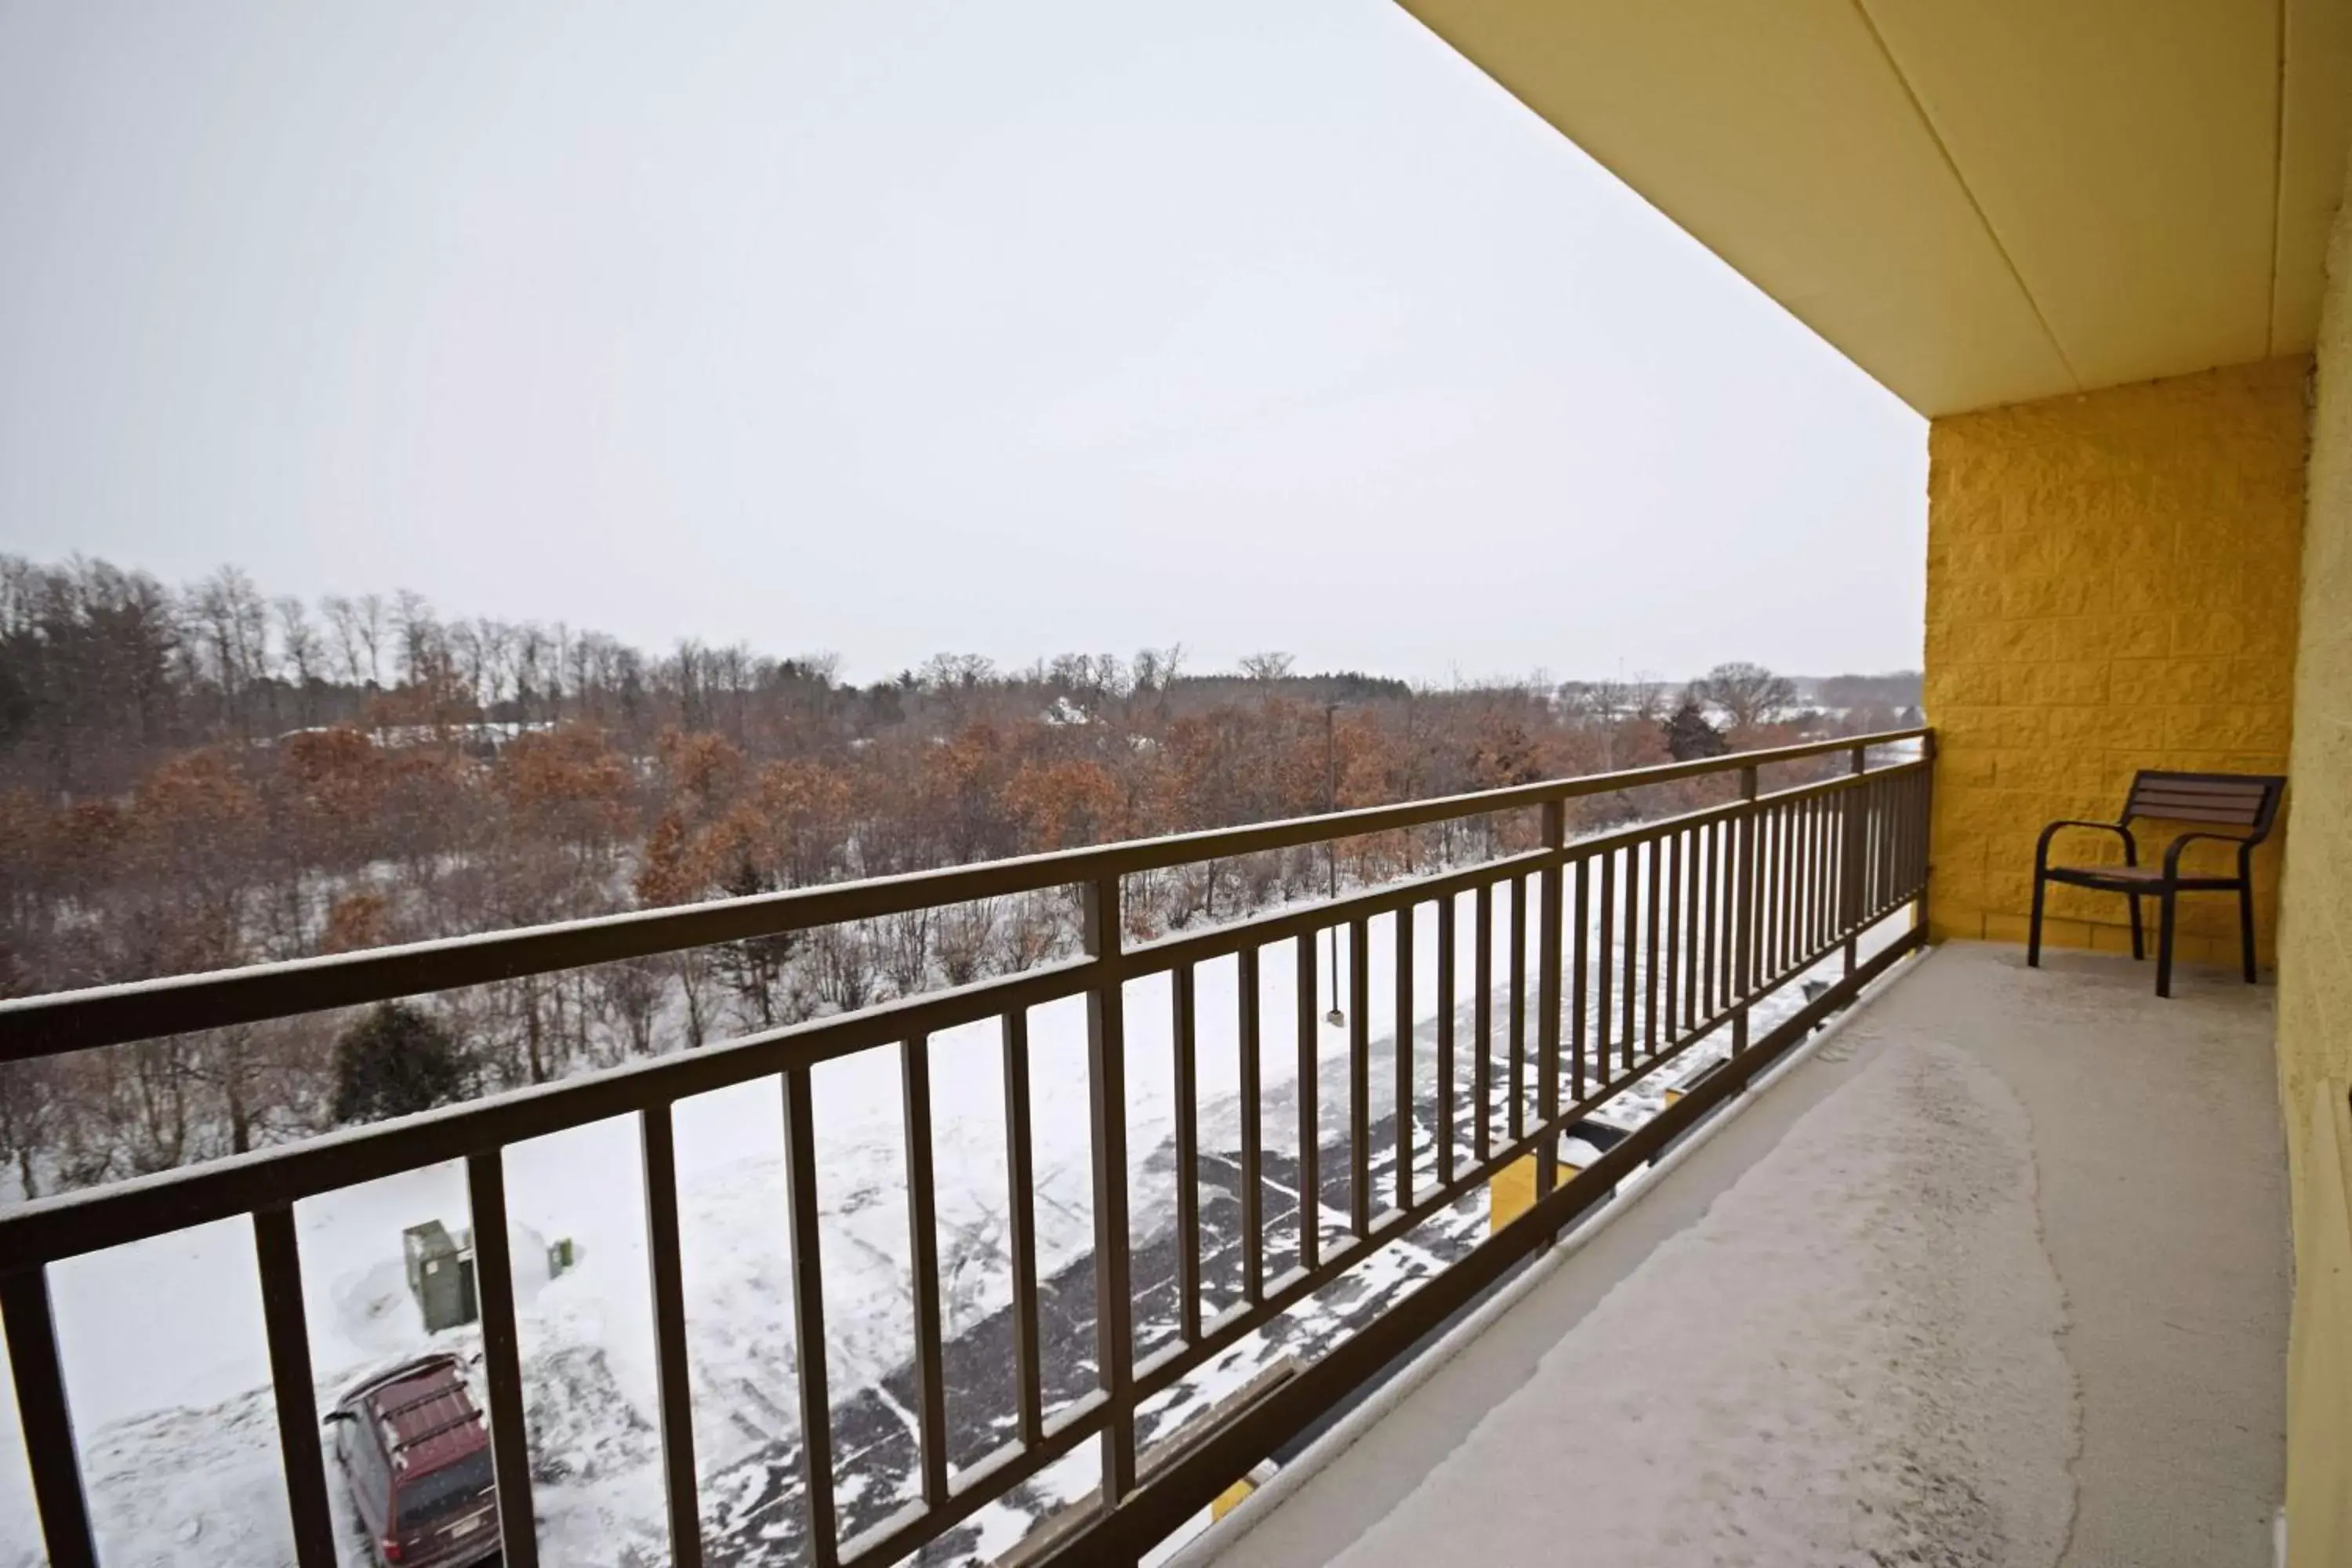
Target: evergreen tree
{"type": "Point", "coordinates": [1689, 737]}
{"type": "Point", "coordinates": [396, 1060]}
{"type": "Point", "coordinates": [755, 967]}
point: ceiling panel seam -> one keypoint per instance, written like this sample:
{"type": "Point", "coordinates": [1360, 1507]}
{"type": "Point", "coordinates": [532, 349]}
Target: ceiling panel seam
{"type": "Point", "coordinates": [1870, 22]}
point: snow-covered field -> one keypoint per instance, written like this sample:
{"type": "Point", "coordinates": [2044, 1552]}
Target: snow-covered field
{"type": "Point", "coordinates": [167, 1370]}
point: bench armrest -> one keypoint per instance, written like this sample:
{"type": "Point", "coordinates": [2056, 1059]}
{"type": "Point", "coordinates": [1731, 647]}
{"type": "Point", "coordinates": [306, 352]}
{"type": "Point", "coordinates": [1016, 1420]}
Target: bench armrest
{"type": "Point", "coordinates": [2172, 853]}
{"type": "Point", "coordinates": [2041, 847]}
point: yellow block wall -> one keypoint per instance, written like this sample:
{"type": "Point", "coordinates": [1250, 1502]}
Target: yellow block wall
{"type": "Point", "coordinates": [2112, 585]}
{"type": "Point", "coordinates": [2315, 998]}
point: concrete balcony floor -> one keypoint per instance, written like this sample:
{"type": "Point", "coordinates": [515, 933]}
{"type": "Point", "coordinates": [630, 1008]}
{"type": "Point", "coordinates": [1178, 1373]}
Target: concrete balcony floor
{"type": "Point", "coordinates": [1998, 1274]}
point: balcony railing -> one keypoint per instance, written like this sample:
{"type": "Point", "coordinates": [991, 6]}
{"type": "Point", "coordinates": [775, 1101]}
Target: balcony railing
{"type": "Point", "coordinates": [1644, 944]}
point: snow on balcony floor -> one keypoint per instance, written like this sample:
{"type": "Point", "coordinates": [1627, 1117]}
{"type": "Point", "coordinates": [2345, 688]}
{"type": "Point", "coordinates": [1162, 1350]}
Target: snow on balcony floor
{"type": "Point", "coordinates": [1998, 1277]}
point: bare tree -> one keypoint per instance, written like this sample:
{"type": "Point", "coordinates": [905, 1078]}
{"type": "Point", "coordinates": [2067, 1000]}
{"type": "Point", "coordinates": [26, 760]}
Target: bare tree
{"type": "Point", "coordinates": [342, 624]}
{"type": "Point", "coordinates": [844, 961]}
{"type": "Point", "coordinates": [1748, 694]}
{"type": "Point", "coordinates": [905, 939]}
{"type": "Point", "coordinates": [420, 635]}
{"type": "Point", "coordinates": [370, 622]}
{"type": "Point", "coordinates": [967, 932]}
{"type": "Point", "coordinates": [299, 646]}
{"type": "Point", "coordinates": [232, 626]}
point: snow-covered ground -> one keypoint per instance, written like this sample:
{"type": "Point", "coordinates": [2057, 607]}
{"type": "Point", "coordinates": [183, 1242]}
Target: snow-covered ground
{"type": "Point", "coordinates": [167, 1370]}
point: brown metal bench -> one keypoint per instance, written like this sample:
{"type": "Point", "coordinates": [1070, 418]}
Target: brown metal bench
{"type": "Point", "coordinates": [2246, 804]}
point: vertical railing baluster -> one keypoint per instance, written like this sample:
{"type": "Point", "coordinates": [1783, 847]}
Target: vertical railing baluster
{"type": "Point", "coordinates": [1922, 786]}
{"type": "Point", "coordinates": [1582, 948]}
{"type": "Point", "coordinates": [1252, 1193]}
{"type": "Point", "coordinates": [295, 1392]}
{"type": "Point", "coordinates": [1447, 912]}
{"type": "Point", "coordinates": [1926, 819]}
{"type": "Point", "coordinates": [1901, 821]}
{"type": "Point", "coordinates": [1830, 859]}
{"type": "Point", "coordinates": [486, 1191]}
{"type": "Point", "coordinates": [1926, 816]}
{"type": "Point", "coordinates": [1650, 946]}
{"type": "Point", "coordinates": [1181, 992]}
{"type": "Point", "coordinates": [1106, 1067]}
{"type": "Point", "coordinates": [1841, 895]}
{"type": "Point", "coordinates": [1778, 885]}
{"type": "Point", "coordinates": [1902, 815]}
{"type": "Point", "coordinates": [657, 1158]}
{"type": "Point", "coordinates": [1866, 840]}
{"type": "Point", "coordinates": [1743, 912]}
{"type": "Point", "coordinates": [1850, 840]}
{"type": "Point", "coordinates": [1726, 917]}
{"type": "Point", "coordinates": [1823, 862]}
{"type": "Point", "coordinates": [1782, 887]}
{"type": "Point", "coordinates": [1482, 1022]}
{"type": "Point", "coordinates": [1899, 835]}
{"type": "Point", "coordinates": [1310, 1131]}
{"type": "Point", "coordinates": [1675, 870]}
{"type": "Point", "coordinates": [1710, 936]}
{"type": "Point", "coordinates": [1021, 1200]}
{"type": "Point", "coordinates": [1790, 880]}
{"type": "Point", "coordinates": [1898, 838]}
{"type": "Point", "coordinates": [1517, 1031]}
{"type": "Point", "coordinates": [1875, 822]}
{"type": "Point", "coordinates": [1805, 875]}
{"type": "Point", "coordinates": [1605, 968]}
{"type": "Point", "coordinates": [923, 1238]}
{"type": "Point", "coordinates": [1405, 1052]}
{"type": "Point", "coordinates": [1547, 961]}
{"type": "Point", "coordinates": [1902, 835]}
{"type": "Point", "coordinates": [1801, 880]}
{"type": "Point", "coordinates": [1629, 982]}
{"type": "Point", "coordinates": [1701, 851]}
{"type": "Point", "coordinates": [45, 1418]}
{"type": "Point", "coordinates": [808, 1316]}
{"type": "Point", "coordinates": [1821, 924]}
{"type": "Point", "coordinates": [1874, 831]}
{"type": "Point", "coordinates": [1360, 1077]}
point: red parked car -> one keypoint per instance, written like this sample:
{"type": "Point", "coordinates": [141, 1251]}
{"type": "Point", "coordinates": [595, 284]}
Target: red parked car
{"type": "Point", "coordinates": [417, 1459]}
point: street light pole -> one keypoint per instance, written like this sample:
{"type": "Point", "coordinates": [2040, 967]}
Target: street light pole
{"type": "Point", "coordinates": [1332, 849]}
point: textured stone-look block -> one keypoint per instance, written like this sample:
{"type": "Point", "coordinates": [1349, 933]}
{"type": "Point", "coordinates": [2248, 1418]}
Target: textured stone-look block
{"type": "Point", "coordinates": [2113, 583]}
{"type": "Point", "coordinates": [2315, 1000]}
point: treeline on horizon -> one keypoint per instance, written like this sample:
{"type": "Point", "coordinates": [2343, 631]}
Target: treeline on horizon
{"type": "Point", "coordinates": [198, 778]}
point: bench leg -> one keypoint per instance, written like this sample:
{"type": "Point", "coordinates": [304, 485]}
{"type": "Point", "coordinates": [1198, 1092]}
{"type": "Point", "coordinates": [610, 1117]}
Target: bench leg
{"type": "Point", "coordinates": [2246, 926]}
{"type": "Point", "coordinates": [2140, 949]}
{"type": "Point", "coordinates": [2164, 944]}
{"type": "Point", "coordinates": [2034, 928]}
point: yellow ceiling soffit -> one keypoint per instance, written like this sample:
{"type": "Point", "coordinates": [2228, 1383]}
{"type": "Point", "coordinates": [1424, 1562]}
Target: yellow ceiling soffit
{"type": "Point", "coordinates": [1978, 203]}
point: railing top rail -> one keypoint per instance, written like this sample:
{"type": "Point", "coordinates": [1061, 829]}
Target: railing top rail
{"type": "Point", "coordinates": [114, 1015]}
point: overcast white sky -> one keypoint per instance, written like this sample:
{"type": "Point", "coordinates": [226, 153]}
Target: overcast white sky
{"type": "Point", "coordinates": [891, 328]}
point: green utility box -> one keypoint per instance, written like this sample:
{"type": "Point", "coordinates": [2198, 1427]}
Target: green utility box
{"type": "Point", "coordinates": [440, 1275]}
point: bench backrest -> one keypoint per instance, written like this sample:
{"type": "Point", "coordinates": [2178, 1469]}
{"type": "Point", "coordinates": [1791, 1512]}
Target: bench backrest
{"type": "Point", "coordinates": [2248, 801]}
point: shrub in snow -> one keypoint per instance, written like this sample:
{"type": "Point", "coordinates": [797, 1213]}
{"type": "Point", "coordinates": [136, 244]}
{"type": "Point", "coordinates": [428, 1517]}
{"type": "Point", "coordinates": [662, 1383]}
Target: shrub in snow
{"type": "Point", "coordinates": [395, 1061]}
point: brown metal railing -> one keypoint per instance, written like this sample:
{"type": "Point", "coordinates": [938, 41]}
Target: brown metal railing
{"type": "Point", "coordinates": [1679, 927]}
